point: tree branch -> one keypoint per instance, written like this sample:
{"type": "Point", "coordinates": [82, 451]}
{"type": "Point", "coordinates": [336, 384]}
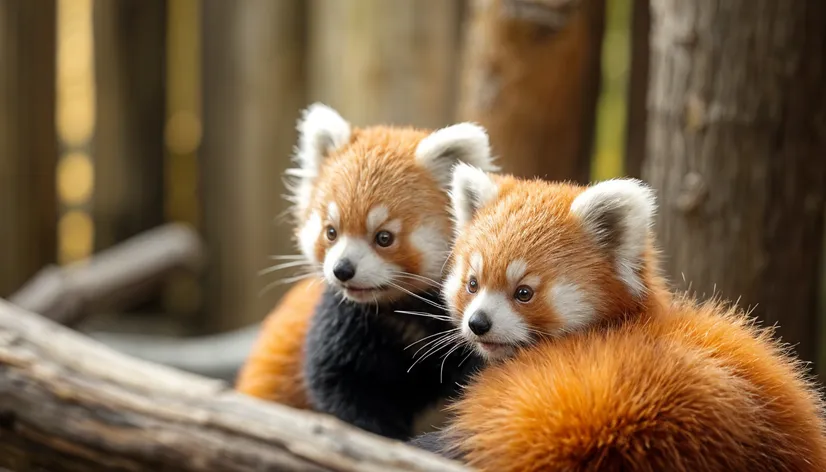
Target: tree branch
{"type": "Point", "coordinates": [113, 276]}
{"type": "Point", "coordinates": [69, 403]}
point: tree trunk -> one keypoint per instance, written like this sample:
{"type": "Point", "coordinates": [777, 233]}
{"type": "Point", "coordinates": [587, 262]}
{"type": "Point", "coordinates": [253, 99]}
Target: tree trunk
{"type": "Point", "coordinates": [638, 88]}
{"type": "Point", "coordinates": [531, 77]}
{"type": "Point", "coordinates": [70, 404]}
{"type": "Point", "coordinates": [737, 150]}
{"type": "Point", "coordinates": [253, 92]}
{"type": "Point", "coordinates": [385, 61]}
{"type": "Point", "coordinates": [28, 147]}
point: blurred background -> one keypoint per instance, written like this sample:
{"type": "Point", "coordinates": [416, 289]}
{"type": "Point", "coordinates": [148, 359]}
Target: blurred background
{"type": "Point", "coordinates": [121, 117]}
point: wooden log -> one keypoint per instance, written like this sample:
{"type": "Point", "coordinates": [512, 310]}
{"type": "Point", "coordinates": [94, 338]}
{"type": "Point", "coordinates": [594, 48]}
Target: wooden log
{"type": "Point", "coordinates": [253, 92]}
{"type": "Point", "coordinates": [68, 403]}
{"type": "Point", "coordinates": [28, 145]}
{"type": "Point", "coordinates": [737, 150]}
{"type": "Point", "coordinates": [386, 61]}
{"type": "Point", "coordinates": [531, 76]}
{"type": "Point", "coordinates": [112, 277]}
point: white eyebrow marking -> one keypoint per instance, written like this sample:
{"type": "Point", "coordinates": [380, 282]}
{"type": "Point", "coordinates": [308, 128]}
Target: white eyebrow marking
{"type": "Point", "coordinates": [375, 217]}
{"type": "Point", "coordinates": [476, 264]}
{"type": "Point", "coordinates": [333, 214]}
{"type": "Point", "coordinates": [515, 271]}
{"type": "Point", "coordinates": [531, 281]}
{"type": "Point", "coordinates": [394, 226]}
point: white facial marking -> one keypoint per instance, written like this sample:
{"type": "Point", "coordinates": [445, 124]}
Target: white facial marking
{"type": "Point", "coordinates": [308, 236]}
{"type": "Point", "coordinates": [394, 226]}
{"type": "Point", "coordinates": [572, 305]}
{"type": "Point", "coordinates": [371, 269]}
{"type": "Point", "coordinates": [515, 271]}
{"type": "Point", "coordinates": [432, 247]}
{"type": "Point", "coordinates": [506, 325]}
{"type": "Point", "coordinates": [476, 264]}
{"type": "Point", "coordinates": [453, 282]}
{"type": "Point", "coordinates": [333, 214]}
{"type": "Point", "coordinates": [375, 217]}
{"type": "Point", "coordinates": [531, 281]}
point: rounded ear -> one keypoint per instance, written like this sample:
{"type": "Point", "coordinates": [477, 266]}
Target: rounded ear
{"type": "Point", "coordinates": [618, 214]}
{"type": "Point", "coordinates": [471, 189]}
{"type": "Point", "coordinates": [321, 130]}
{"type": "Point", "coordinates": [446, 147]}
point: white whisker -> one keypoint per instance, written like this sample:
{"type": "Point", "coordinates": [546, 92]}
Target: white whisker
{"type": "Point", "coordinates": [430, 336]}
{"type": "Point", "coordinates": [424, 314]}
{"type": "Point", "coordinates": [429, 302]}
{"type": "Point", "coordinates": [285, 265]}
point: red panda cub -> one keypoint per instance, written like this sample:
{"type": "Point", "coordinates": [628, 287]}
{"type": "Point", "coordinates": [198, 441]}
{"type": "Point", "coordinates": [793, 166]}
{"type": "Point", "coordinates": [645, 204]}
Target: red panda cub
{"type": "Point", "coordinates": [373, 220]}
{"type": "Point", "coordinates": [593, 365]}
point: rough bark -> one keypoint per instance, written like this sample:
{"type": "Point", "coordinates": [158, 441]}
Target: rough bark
{"type": "Point", "coordinates": [385, 61]}
{"type": "Point", "coordinates": [638, 88]}
{"type": "Point", "coordinates": [69, 404]}
{"type": "Point", "coordinates": [253, 90]}
{"type": "Point", "coordinates": [28, 144]}
{"type": "Point", "coordinates": [531, 76]}
{"type": "Point", "coordinates": [737, 150]}
{"type": "Point", "coordinates": [113, 277]}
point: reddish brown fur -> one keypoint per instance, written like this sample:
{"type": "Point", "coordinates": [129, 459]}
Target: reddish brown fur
{"type": "Point", "coordinates": [383, 157]}
{"type": "Point", "coordinates": [696, 387]}
{"type": "Point", "coordinates": [531, 220]}
{"type": "Point", "coordinates": [274, 369]}
{"type": "Point", "coordinates": [682, 387]}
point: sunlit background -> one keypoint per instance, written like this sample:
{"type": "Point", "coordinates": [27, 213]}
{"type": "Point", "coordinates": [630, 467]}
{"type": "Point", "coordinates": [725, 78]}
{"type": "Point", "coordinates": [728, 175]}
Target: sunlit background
{"type": "Point", "coordinates": [184, 111]}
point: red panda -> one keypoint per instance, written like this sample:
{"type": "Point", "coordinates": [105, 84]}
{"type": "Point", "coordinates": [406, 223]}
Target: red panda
{"type": "Point", "coordinates": [372, 220]}
{"type": "Point", "coordinates": [593, 364]}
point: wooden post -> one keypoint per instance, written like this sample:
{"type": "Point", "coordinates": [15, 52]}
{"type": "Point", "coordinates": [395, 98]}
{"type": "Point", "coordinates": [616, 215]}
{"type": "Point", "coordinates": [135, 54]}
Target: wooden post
{"type": "Point", "coordinates": [636, 123]}
{"type": "Point", "coordinates": [28, 147]}
{"type": "Point", "coordinates": [531, 76]}
{"type": "Point", "coordinates": [737, 151]}
{"type": "Point", "coordinates": [253, 92]}
{"type": "Point", "coordinates": [385, 61]}
{"type": "Point", "coordinates": [128, 146]}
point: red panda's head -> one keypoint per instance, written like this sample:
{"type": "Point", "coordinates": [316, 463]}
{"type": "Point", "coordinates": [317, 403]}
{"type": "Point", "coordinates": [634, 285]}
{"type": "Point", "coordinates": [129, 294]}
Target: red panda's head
{"type": "Point", "coordinates": [535, 258]}
{"type": "Point", "coordinates": [371, 204]}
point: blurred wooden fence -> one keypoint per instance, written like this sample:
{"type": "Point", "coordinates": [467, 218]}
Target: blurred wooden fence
{"type": "Point", "coordinates": [117, 116]}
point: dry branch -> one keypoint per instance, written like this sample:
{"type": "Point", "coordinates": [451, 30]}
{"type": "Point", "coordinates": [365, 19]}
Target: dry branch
{"type": "Point", "coordinates": [112, 276]}
{"type": "Point", "coordinates": [69, 403]}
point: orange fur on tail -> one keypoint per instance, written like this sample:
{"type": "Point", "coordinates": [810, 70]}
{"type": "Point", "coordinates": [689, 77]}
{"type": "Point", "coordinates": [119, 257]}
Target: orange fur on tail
{"type": "Point", "coordinates": [274, 369]}
{"type": "Point", "coordinates": [695, 388]}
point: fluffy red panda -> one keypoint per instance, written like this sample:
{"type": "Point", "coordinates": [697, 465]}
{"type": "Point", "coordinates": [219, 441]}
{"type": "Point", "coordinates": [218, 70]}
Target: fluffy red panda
{"type": "Point", "coordinates": [593, 364]}
{"type": "Point", "coordinates": [372, 220]}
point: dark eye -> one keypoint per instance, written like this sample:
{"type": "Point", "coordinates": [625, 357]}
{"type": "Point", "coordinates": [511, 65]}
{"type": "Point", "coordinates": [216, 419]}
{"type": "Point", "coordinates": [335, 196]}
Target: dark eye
{"type": "Point", "coordinates": [384, 238]}
{"type": "Point", "coordinates": [523, 294]}
{"type": "Point", "coordinates": [472, 285]}
{"type": "Point", "coordinates": [331, 233]}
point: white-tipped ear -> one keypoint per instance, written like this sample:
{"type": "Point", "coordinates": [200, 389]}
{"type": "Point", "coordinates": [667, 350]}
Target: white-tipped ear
{"type": "Point", "coordinates": [321, 130]}
{"type": "Point", "coordinates": [618, 213]}
{"type": "Point", "coordinates": [444, 148]}
{"type": "Point", "coordinates": [471, 189]}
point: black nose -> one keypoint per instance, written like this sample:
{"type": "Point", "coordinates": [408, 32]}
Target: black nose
{"type": "Point", "coordinates": [479, 323]}
{"type": "Point", "coordinates": [344, 270]}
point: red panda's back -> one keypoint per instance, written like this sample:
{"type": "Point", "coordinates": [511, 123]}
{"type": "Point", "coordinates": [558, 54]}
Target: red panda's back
{"type": "Point", "coordinates": [694, 389]}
